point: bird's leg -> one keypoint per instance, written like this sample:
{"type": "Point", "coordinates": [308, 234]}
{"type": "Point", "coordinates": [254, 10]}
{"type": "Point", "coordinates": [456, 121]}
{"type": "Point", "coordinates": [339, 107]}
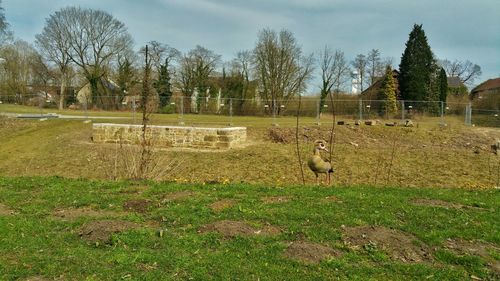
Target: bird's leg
{"type": "Point", "coordinates": [329, 180]}
{"type": "Point", "coordinates": [317, 178]}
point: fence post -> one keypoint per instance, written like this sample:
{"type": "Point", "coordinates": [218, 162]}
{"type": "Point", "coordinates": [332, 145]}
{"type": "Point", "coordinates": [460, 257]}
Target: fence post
{"type": "Point", "coordinates": [442, 113]}
{"type": "Point", "coordinates": [133, 108]}
{"type": "Point", "coordinates": [181, 112]}
{"type": "Point", "coordinates": [274, 113]}
{"type": "Point", "coordinates": [402, 111]}
{"type": "Point", "coordinates": [230, 112]}
{"type": "Point", "coordinates": [318, 113]}
{"type": "Point", "coordinates": [468, 114]}
{"type": "Point", "coordinates": [360, 109]}
{"type": "Point", "coordinates": [85, 107]}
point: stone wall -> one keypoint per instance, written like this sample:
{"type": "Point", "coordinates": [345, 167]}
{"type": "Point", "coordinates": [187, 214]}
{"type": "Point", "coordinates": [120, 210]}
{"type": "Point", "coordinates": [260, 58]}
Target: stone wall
{"type": "Point", "coordinates": [171, 136]}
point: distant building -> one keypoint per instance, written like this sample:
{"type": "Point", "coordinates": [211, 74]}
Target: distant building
{"type": "Point", "coordinates": [371, 93]}
{"type": "Point", "coordinates": [487, 94]}
{"type": "Point", "coordinates": [455, 86]}
{"type": "Point", "coordinates": [488, 87]}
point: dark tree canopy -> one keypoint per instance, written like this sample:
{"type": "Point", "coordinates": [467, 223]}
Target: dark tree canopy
{"type": "Point", "coordinates": [416, 67]}
{"type": "Point", "coordinates": [443, 85]}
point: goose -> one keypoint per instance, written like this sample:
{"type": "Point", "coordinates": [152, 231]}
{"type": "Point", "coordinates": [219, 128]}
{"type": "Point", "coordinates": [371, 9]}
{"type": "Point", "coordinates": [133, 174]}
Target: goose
{"type": "Point", "coordinates": [317, 164]}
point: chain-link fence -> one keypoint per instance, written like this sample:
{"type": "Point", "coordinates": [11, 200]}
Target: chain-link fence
{"type": "Point", "coordinates": [232, 111]}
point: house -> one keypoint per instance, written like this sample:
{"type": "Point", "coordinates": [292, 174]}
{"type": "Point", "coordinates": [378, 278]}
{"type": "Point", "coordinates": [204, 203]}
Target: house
{"type": "Point", "coordinates": [490, 86]}
{"type": "Point", "coordinates": [487, 94]}
{"type": "Point", "coordinates": [371, 93]}
{"type": "Point", "coordinates": [455, 86]}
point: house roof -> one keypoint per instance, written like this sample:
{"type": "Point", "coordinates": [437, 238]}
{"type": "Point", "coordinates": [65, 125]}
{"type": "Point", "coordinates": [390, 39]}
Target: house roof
{"type": "Point", "coordinates": [488, 85]}
{"type": "Point", "coordinates": [454, 82]}
{"type": "Point", "coordinates": [372, 91]}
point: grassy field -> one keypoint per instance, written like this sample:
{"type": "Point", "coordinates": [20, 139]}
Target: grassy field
{"type": "Point", "coordinates": [61, 229]}
{"type": "Point", "coordinates": [423, 156]}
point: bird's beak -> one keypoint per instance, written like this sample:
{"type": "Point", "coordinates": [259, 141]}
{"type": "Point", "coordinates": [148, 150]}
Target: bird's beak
{"type": "Point", "coordinates": [325, 149]}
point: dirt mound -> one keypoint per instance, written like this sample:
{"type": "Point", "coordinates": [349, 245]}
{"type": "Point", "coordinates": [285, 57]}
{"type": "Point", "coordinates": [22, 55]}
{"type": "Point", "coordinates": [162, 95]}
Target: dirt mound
{"type": "Point", "coordinates": [137, 205]}
{"type": "Point", "coordinates": [276, 199]}
{"type": "Point", "coordinates": [398, 245]}
{"type": "Point", "coordinates": [310, 252]}
{"type": "Point", "coordinates": [6, 211]}
{"type": "Point", "coordinates": [75, 213]}
{"type": "Point", "coordinates": [231, 229]}
{"type": "Point", "coordinates": [222, 204]}
{"type": "Point", "coordinates": [101, 231]}
{"type": "Point", "coordinates": [442, 204]}
{"type": "Point", "coordinates": [475, 248]}
{"type": "Point", "coordinates": [180, 195]}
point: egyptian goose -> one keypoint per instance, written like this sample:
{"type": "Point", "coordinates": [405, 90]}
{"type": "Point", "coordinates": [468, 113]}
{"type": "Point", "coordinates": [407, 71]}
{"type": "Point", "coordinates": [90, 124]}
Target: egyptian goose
{"type": "Point", "coordinates": [317, 164]}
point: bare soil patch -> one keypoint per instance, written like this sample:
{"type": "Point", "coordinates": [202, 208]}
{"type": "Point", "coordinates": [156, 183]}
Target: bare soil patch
{"type": "Point", "coordinates": [175, 196]}
{"type": "Point", "coordinates": [75, 213]}
{"type": "Point", "coordinates": [101, 231]}
{"type": "Point", "coordinates": [442, 204]}
{"type": "Point", "coordinates": [475, 248]}
{"type": "Point", "coordinates": [6, 211]}
{"type": "Point", "coordinates": [276, 199]}
{"type": "Point", "coordinates": [230, 229]}
{"type": "Point", "coordinates": [398, 245]}
{"type": "Point", "coordinates": [222, 204]}
{"type": "Point", "coordinates": [310, 252]}
{"type": "Point", "coordinates": [137, 205]}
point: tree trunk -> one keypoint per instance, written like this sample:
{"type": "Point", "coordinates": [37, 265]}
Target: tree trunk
{"type": "Point", "coordinates": [61, 95]}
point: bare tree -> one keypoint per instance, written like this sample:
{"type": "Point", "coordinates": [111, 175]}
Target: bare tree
{"type": "Point", "coordinates": [195, 69]}
{"type": "Point", "coordinates": [466, 71]}
{"type": "Point", "coordinates": [17, 65]}
{"type": "Point", "coordinates": [374, 65]}
{"type": "Point", "coordinates": [161, 54]}
{"type": "Point", "coordinates": [5, 33]}
{"type": "Point", "coordinates": [281, 68]}
{"type": "Point", "coordinates": [94, 38]}
{"type": "Point", "coordinates": [334, 72]}
{"type": "Point", "coordinates": [359, 64]}
{"type": "Point", "coordinates": [54, 45]}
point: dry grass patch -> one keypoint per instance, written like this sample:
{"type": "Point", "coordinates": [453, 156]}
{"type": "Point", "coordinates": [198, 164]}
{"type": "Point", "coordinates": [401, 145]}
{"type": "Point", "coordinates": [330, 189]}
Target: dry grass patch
{"type": "Point", "coordinates": [76, 213]}
{"type": "Point", "coordinates": [310, 252]}
{"type": "Point", "coordinates": [398, 245]}
{"type": "Point", "coordinates": [442, 204]}
{"type": "Point", "coordinates": [475, 248]}
{"type": "Point", "coordinates": [137, 205]}
{"type": "Point", "coordinates": [230, 229]}
{"type": "Point", "coordinates": [176, 196]}
{"type": "Point", "coordinates": [6, 211]}
{"type": "Point", "coordinates": [223, 204]}
{"type": "Point", "coordinates": [101, 231]}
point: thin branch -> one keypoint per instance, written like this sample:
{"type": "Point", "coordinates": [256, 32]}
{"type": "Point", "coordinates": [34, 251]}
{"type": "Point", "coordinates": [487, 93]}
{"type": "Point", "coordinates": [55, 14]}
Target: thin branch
{"type": "Point", "coordinates": [297, 142]}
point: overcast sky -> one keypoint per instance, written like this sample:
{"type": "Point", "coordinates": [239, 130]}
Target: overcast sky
{"type": "Point", "coordinates": [456, 29]}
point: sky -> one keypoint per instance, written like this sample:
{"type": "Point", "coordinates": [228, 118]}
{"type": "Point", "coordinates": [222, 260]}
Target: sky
{"type": "Point", "coordinates": [455, 29]}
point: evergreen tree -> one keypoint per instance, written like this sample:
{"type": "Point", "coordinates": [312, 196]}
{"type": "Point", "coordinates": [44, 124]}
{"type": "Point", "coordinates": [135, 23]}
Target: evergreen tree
{"type": "Point", "coordinates": [416, 67]}
{"type": "Point", "coordinates": [163, 85]}
{"type": "Point", "coordinates": [125, 77]}
{"type": "Point", "coordinates": [443, 85]}
{"type": "Point", "coordinates": [387, 93]}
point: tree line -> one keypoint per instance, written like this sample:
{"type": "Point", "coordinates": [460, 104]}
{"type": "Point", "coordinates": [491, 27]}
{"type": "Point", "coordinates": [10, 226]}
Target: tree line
{"type": "Point", "coordinates": [80, 46]}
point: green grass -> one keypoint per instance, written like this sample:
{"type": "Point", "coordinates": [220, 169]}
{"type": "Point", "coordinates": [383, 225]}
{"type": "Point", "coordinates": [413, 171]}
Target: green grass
{"type": "Point", "coordinates": [34, 243]}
